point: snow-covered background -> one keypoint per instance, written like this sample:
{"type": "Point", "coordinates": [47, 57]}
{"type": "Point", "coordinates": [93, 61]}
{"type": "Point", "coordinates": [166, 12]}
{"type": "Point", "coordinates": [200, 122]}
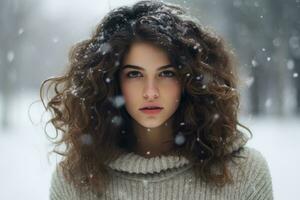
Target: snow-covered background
{"type": "Point", "coordinates": [34, 42]}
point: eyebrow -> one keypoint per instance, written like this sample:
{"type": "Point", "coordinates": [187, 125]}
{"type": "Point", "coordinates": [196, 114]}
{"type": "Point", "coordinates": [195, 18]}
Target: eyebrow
{"type": "Point", "coordinates": [140, 68]}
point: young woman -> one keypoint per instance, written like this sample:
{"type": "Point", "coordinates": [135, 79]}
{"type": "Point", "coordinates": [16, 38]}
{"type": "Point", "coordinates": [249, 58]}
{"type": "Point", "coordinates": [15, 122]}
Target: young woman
{"type": "Point", "coordinates": [148, 110]}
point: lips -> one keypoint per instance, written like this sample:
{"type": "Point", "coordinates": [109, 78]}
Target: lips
{"type": "Point", "coordinates": [151, 108]}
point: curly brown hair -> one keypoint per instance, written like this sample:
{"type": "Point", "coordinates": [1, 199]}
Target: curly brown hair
{"type": "Point", "coordinates": [94, 125]}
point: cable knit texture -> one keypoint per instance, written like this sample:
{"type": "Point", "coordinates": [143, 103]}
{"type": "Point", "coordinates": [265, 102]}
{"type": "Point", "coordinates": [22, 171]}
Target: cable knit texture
{"type": "Point", "coordinates": [170, 178]}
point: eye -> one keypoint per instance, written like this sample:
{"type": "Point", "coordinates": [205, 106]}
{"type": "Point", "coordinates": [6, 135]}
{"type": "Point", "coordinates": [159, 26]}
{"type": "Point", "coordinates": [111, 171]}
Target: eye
{"type": "Point", "coordinates": [129, 74]}
{"type": "Point", "coordinates": [169, 73]}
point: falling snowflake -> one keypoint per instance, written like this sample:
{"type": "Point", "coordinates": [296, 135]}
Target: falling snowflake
{"type": "Point", "coordinates": [179, 139]}
{"type": "Point", "coordinates": [20, 31]}
{"type": "Point", "coordinates": [107, 80]}
{"type": "Point", "coordinates": [249, 81]}
{"type": "Point", "coordinates": [290, 64]}
{"type": "Point", "coordinates": [216, 116]}
{"type": "Point", "coordinates": [117, 120]}
{"type": "Point", "coordinates": [254, 63]}
{"type": "Point", "coordinates": [10, 56]}
{"type": "Point", "coordinates": [198, 47]}
{"type": "Point", "coordinates": [294, 42]}
{"type": "Point", "coordinates": [118, 101]}
{"type": "Point", "coordinates": [75, 92]}
{"type": "Point", "coordinates": [200, 77]}
{"type": "Point", "coordinates": [117, 63]}
{"type": "Point", "coordinates": [268, 102]}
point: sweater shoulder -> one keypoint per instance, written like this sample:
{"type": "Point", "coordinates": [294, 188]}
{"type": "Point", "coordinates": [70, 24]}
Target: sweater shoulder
{"type": "Point", "coordinates": [59, 187]}
{"type": "Point", "coordinates": [254, 173]}
{"type": "Point", "coordinates": [57, 184]}
{"type": "Point", "coordinates": [252, 155]}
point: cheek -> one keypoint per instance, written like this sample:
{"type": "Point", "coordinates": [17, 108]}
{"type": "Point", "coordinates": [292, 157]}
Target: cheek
{"type": "Point", "coordinates": [128, 91]}
{"type": "Point", "coordinates": [173, 89]}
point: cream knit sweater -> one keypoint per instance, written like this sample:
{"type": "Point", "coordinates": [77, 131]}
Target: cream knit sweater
{"type": "Point", "coordinates": [170, 178]}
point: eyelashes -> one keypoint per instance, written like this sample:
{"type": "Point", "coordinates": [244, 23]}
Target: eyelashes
{"type": "Point", "coordinates": [167, 73]}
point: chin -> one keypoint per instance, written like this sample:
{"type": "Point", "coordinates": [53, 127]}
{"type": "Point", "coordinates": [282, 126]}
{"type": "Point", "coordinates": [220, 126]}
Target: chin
{"type": "Point", "coordinates": [151, 123]}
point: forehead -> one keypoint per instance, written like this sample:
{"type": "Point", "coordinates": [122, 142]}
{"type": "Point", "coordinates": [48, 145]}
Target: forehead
{"type": "Point", "coordinates": [128, 66]}
{"type": "Point", "coordinates": [145, 55]}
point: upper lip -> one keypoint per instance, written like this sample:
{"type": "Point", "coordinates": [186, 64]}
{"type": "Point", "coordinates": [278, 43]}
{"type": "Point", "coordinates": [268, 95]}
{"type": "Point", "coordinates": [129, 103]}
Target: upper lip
{"type": "Point", "coordinates": [150, 105]}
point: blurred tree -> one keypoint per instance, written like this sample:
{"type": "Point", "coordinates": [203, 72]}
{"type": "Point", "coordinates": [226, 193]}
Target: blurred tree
{"type": "Point", "coordinates": [291, 19]}
{"type": "Point", "coordinates": [262, 32]}
{"type": "Point", "coordinates": [257, 24]}
{"type": "Point", "coordinates": [13, 13]}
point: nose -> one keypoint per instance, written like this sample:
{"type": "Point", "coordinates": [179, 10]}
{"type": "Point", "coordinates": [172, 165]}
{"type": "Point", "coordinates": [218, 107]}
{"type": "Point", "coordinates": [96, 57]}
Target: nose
{"type": "Point", "coordinates": [150, 90]}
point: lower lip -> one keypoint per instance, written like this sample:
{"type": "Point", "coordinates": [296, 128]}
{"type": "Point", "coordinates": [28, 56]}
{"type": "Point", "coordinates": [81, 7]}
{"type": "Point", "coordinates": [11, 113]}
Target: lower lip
{"type": "Point", "coordinates": [151, 112]}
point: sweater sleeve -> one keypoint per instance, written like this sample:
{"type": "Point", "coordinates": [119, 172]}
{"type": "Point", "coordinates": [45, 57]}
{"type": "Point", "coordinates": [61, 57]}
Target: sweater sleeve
{"type": "Point", "coordinates": [259, 180]}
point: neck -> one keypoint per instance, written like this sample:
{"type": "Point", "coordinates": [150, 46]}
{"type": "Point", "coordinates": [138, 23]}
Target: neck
{"type": "Point", "coordinates": [153, 141]}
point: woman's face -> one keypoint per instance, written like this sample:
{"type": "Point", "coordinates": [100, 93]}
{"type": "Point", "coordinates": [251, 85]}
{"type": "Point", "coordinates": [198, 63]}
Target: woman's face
{"type": "Point", "coordinates": [144, 81]}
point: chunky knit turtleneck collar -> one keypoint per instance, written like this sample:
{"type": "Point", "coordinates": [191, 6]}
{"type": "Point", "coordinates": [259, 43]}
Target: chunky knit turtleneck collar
{"type": "Point", "coordinates": [134, 163]}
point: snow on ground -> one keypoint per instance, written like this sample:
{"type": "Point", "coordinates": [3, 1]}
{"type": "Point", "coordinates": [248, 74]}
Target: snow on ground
{"type": "Point", "coordinates": [25, 170]}
{"type": "Point", "coordinates": [278, 139]}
